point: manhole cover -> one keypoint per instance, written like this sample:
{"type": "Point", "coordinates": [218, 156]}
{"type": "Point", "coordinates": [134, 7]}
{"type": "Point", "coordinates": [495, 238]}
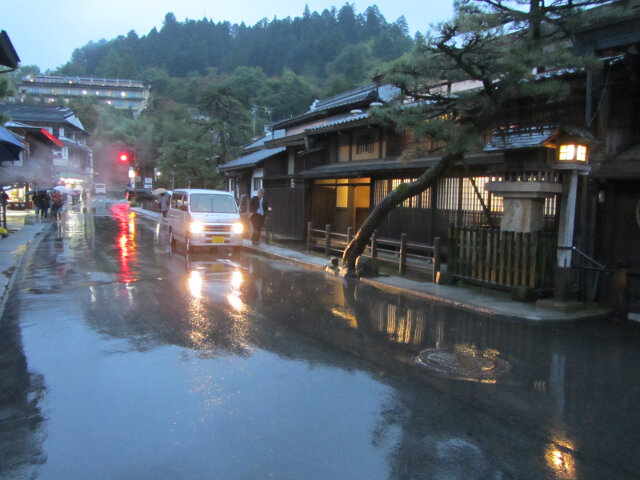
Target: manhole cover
{"type": "Point", "coordinates": [464, 363]}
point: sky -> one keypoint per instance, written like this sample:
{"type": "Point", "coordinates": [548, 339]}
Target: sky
{"type": "Point", "coordinates": [46, 33]}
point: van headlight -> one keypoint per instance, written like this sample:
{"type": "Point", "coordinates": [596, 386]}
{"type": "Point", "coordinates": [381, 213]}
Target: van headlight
{"type": "Point", "coordinates": [237, 228]}
{"type": "Point", "coordinates": [196, 227]}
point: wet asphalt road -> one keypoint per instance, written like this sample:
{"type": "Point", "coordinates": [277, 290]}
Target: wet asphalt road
{"type": "Point", "coordinates": [119, 360]}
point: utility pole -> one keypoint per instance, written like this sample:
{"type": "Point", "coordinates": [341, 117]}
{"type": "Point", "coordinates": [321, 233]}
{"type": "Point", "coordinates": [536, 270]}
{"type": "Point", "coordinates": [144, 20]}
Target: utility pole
{"type": "Point", "coordinates": [254, 114]}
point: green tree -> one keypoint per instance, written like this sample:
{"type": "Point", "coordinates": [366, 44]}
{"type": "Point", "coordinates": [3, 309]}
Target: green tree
{"type": "Point", "coordinates": [354, 63]}
{"type": "Point", "coordinates": [227, 121]}
{"type": "Point", "coordinates": [500, 45]}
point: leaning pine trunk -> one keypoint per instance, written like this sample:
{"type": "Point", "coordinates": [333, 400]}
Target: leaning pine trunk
{"type": "Point", "coordinates": [395, 197]}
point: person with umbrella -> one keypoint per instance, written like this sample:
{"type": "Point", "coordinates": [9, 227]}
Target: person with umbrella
{"type": "Point", "coordinates": [56, 204]}
{"type": "Point", "coordinates": [42, 201]}
{"type": "Point", "coordinates": [164, 200]}
{"type": "Point", "coordinates": [164, 204]}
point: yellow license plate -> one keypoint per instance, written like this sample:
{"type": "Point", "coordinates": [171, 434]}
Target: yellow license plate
{"type": "Point", "coordinates": [217, 239]}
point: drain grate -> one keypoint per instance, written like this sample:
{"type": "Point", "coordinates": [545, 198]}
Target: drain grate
{"type": "Point", "coordinates": [464, 363]}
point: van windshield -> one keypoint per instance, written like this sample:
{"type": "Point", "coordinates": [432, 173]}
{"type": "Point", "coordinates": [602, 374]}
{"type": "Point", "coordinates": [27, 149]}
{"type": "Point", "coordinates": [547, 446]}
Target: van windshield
{"type": "Point", "coordinates": [212, 203]}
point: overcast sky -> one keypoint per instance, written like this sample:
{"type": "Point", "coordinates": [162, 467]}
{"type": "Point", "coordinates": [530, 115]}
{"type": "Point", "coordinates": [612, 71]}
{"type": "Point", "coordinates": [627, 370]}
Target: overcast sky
{"type": "Point", "coordinates": [46, 33]}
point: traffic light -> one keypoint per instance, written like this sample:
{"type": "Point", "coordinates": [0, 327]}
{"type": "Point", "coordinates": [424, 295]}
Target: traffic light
{"type": "Point", "coordinates": [124, 157]}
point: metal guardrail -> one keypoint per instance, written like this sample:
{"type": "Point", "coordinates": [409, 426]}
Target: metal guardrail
{"type": "Point", "coordinates": [595, 266]}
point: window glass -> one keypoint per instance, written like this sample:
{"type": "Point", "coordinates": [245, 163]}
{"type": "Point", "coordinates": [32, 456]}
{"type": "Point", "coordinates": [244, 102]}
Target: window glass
{"type": "Point", "coordinates": [364, 144]}
{"type": "Point", "coordinates": [176, 200]}
{"type": "Point", "coordinates": [212, 203]}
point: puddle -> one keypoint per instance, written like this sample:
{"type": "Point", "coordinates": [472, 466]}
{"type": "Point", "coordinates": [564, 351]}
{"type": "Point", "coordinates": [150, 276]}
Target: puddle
{"type": "Point", "coordinates": [464, 363]}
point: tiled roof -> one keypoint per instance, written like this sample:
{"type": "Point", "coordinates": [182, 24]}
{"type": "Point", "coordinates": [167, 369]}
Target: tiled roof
{"type": "Point", "coordinates": [340, 120]}
{"type": "Point", "coordinates": [347, 98]}
{"type": "Point", "coordinates": [41, 115]}
{"type": "Point", "coordinates": [357, 96]}
{"type": "Point", "coordinates": [252, 159]}
{"type": "Point", "coordinates": [72, 144]}
{"type": "Point", "coordinates": [535, 137]}
{"type": "Point", "coordinates": [268, 136]}
{"type": "Point", "coordinates": [513, 139]}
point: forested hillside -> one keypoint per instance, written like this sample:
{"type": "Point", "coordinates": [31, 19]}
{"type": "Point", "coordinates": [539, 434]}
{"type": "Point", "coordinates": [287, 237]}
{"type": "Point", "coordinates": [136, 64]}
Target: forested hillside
{"type": "Point", "coordinates": [335, 43]}
{"type": "Point", "coordinates": [216, 85]}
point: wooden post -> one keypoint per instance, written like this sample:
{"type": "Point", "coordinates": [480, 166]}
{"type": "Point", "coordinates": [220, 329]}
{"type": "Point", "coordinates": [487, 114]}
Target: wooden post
{"type": "Point", "coordinates": [437, 259]}
{"type": "Point", "coordinates": [502, 250]}
{"type": "Point", "coordinates": [402, 263]}
{"type": "Point", "coordinates": [533, 262]}
{"type": "Point", "coordinates": [517, 257]}
{"type": "Point", "coordinates": [327, 240]}
{"type": "Point", "coordinates": [509, 267]}
{"type": "Point", "coordinates": [374, 244]}
{"type": "Point", "coordinates": [480, 260]}
{"type": "Point", "coordinates": [309, 233]}
{"type": "Point", "coordinates": [494, 256]}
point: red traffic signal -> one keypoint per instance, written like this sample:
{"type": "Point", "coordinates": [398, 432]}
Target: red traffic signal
{"type": "Point", "coordinates": [124, 157]}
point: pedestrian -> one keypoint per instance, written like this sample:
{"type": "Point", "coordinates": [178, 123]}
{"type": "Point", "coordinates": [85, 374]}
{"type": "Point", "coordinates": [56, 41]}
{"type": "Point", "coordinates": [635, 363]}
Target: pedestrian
{"type": "Point", "coordinates": [258, 208]}
{"type": "Point", "coordinates": [36, 204]}
{"type": "Point", "coordinates": [43, 201]}
{"type": "Point", "coordinates": [4, 200]}
{"type": "Point", "coordinates": [164, 204]}
{"type": "Point", "coordinates": [56, 205]}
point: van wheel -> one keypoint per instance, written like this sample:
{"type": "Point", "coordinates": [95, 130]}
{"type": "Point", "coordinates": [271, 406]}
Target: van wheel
{"type": "Point", "coordinates": [172, 241]}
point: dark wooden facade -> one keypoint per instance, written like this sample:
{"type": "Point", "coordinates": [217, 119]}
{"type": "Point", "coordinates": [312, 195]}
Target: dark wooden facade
{"type": "Point", "coordinates": [340, 164]}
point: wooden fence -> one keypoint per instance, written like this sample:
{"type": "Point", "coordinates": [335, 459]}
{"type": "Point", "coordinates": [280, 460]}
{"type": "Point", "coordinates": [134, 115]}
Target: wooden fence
{"type": "Point", "coordinates": [502, 259]}
{"type": "Point", "coordinates": [417, 257]}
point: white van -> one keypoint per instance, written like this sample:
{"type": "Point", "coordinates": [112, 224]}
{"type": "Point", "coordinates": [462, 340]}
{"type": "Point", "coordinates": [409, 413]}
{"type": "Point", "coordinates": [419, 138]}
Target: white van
{"type": "Point", "coordinates": [100, 189]}
{"type": "Point", "coordinates": [204, 218]}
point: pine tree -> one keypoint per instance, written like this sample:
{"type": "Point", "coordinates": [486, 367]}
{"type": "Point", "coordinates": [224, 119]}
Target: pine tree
{"type": "Point", "coordinates": [501, 45]}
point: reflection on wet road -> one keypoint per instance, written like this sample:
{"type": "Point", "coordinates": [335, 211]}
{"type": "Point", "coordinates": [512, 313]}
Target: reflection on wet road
{"type": "Point", "coordinates": [122, 360]}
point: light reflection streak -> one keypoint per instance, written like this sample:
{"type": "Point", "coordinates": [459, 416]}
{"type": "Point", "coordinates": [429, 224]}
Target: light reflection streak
{"type": "Point", "coordinates": [201, 323]}
{"type": "Point", "coordinates": [559, 457]}
{"type": "Point", "coordinates": [126, 240]}
{"type": "Point", "coordinates": [195, 284]}
{"type": "Point", "coordinates": [236, 302]}
{"type": "Point", "coordinates": [236, 279]}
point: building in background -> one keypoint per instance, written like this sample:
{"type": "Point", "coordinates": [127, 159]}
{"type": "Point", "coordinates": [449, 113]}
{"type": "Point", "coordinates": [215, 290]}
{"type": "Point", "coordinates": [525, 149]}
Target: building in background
{"type": "Point", "coordinates": [119, 93]}
{"type": "Point", "coordinates": [56, 142]}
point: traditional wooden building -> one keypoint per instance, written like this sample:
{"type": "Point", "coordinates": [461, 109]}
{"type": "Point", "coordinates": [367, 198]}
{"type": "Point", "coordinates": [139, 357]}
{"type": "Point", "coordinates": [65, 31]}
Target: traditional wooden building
{"type": "Point", "coordinates": [579, 215]}
{"type": "Point", "coordinates": [58, 150]}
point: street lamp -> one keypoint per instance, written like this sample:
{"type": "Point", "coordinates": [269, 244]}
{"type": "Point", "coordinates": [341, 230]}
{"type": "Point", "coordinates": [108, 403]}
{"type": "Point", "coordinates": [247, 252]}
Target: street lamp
{"type": "Point", "coordinates": [572, 152]}
{"type": "Point", "coordinates": [572, 158]}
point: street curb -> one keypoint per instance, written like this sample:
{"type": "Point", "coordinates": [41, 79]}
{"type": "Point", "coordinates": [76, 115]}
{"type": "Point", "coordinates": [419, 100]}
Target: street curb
{"type": "Point", "coordinates": [27, 246]}
{"type": "Point", "coordinates": [473, 308]}
{"type": "Point", "coordinates": [314, 267]}
{"type": "Point", "coordinates": [503, 312]}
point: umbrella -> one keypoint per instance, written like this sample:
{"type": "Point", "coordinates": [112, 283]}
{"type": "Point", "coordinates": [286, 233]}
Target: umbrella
{"type": "Point", "coordinates": [62, 189]}
{"type": "Point", "coordinates": [158, 191]}
{"type": "Point", "coordinates": [10, 146]}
